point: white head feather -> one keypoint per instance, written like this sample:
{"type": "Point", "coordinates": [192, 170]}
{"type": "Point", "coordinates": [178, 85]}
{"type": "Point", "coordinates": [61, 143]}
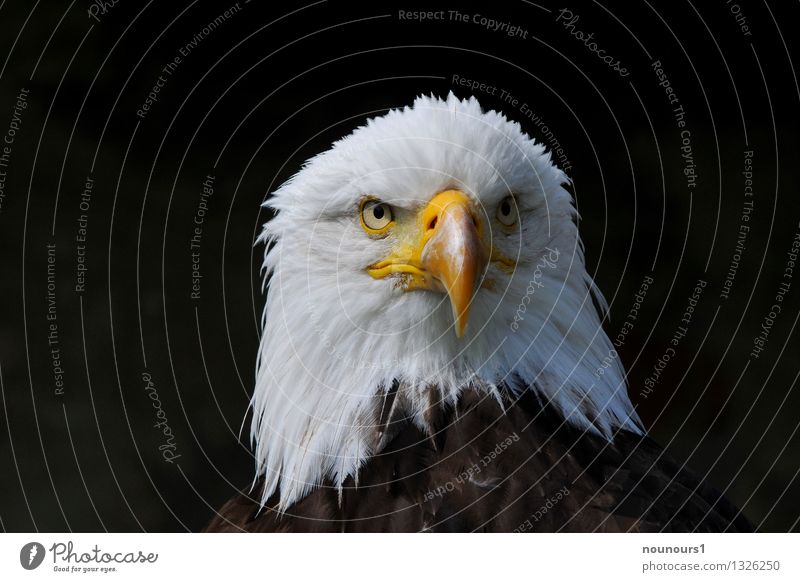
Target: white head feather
{"type": "Point", "coordinates": [334, 338]}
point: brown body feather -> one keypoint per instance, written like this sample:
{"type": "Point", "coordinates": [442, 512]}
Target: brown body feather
{"type": "Point", "coordinates": [483, 467]}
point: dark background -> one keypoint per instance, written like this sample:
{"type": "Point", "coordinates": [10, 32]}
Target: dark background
{"type": "Point", "coordinates": [269, 88]}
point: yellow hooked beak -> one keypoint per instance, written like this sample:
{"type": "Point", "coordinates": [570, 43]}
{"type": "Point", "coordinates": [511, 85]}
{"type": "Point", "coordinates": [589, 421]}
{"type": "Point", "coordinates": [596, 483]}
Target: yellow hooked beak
{"type": "Point", "coordinates": [442, 252]}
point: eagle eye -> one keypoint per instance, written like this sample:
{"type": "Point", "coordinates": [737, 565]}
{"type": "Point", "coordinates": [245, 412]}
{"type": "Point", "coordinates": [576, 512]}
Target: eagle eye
{"type": "Point", "coordinates": [507, 212]}
{"type": "Point", "coordinates": [376, 216]}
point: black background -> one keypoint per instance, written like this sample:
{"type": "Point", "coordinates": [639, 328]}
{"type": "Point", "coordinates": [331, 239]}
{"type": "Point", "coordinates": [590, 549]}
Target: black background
{"type": "Point", "coordinates": [272, 86]}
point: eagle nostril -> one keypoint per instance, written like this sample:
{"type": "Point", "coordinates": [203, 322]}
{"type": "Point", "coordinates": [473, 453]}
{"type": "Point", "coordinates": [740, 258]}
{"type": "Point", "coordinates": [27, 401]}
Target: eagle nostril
{"type": "Point", "coordinates": [432, 223]}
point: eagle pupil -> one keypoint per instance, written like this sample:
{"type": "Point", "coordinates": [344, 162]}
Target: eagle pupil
{"type": "Point", "coordinates": [505, 208]}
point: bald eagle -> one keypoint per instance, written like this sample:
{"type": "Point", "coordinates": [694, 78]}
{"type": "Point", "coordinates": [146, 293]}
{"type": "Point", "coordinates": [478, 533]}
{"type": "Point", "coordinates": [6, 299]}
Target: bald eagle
{"type": "Point", "coordinates": [433, 357]}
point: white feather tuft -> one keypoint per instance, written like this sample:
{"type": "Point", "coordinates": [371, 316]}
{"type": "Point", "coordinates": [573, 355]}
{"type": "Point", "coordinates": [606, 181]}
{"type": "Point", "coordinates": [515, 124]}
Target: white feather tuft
{"type": "Point", "coordinates": [334, 338]}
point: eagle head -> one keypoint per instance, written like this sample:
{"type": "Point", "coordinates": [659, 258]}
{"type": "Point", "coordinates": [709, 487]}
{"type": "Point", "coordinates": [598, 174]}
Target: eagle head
{"type": "Point", "coordinates": [434, 249]}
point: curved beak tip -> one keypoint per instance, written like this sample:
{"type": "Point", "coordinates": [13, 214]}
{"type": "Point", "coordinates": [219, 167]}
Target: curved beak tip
{"type": "Point", "coordinates": [461, 326]}
{"type": "Point", "coordinates": [455, 257]}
